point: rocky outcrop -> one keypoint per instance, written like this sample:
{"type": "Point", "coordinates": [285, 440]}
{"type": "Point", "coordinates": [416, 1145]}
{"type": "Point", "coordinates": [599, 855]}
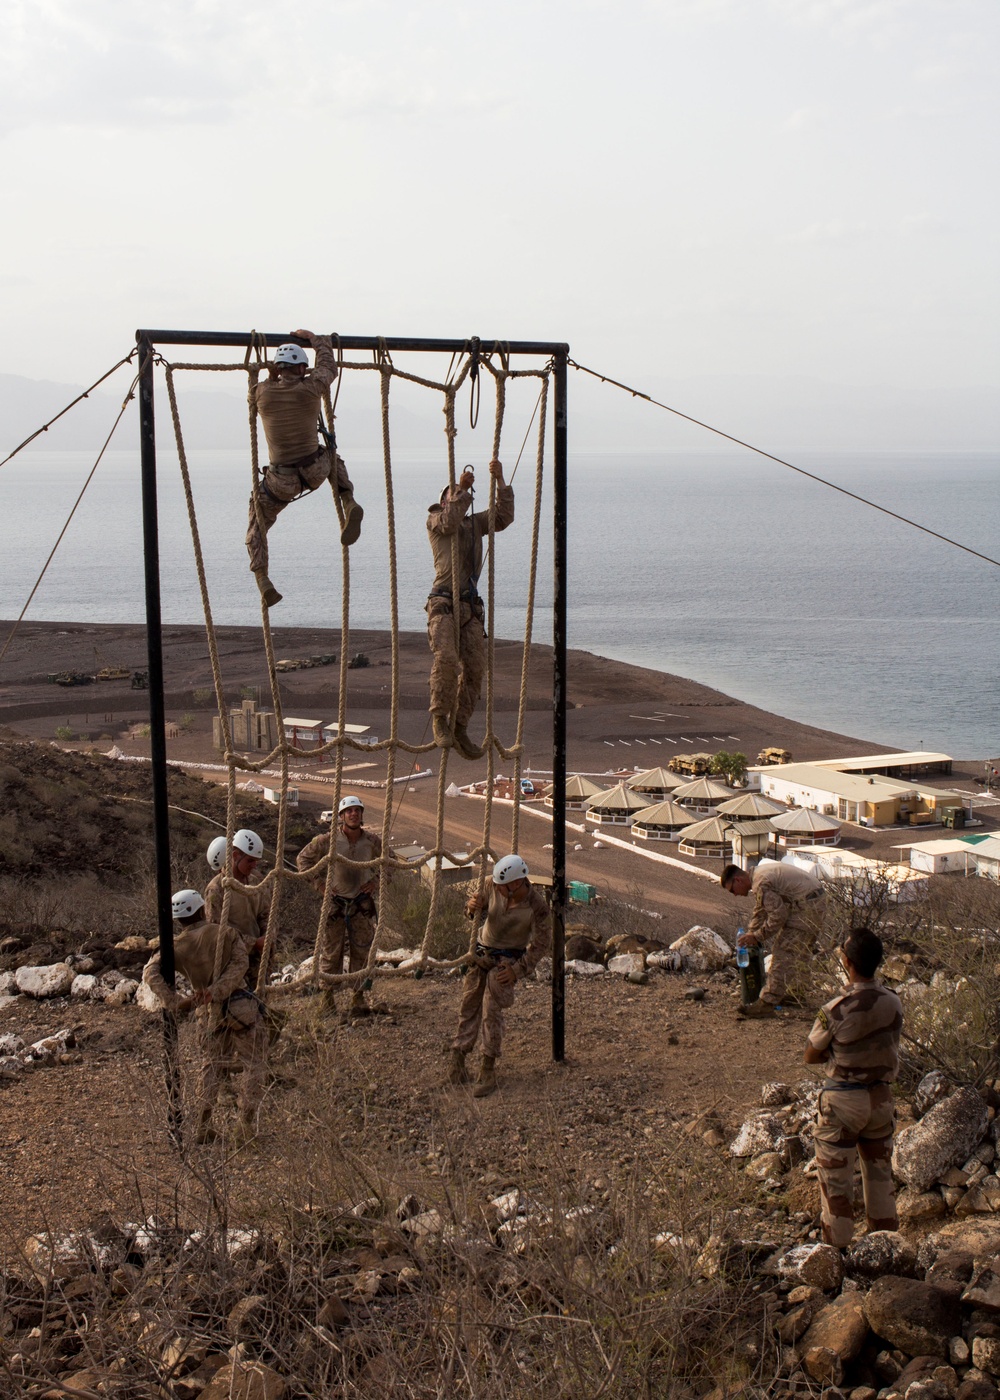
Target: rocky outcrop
{"type": "Point", "coordinates": [943, 1138]}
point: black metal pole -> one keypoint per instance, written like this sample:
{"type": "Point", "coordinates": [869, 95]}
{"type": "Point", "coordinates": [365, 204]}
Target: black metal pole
{"type": "Point", "coordinates": [559, 717]}
{"type": "Point", "coordinates": [157, 717]}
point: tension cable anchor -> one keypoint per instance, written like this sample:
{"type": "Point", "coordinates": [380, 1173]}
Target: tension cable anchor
{"type": "Point", "coordinates": [475, 384]}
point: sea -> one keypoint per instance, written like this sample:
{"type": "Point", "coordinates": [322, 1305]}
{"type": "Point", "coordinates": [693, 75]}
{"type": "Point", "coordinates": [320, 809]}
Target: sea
{"type": "Point", "coordinates": [718, 566]}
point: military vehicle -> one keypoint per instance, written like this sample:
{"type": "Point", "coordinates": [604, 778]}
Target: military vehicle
{"type": "Point", "coordinates": [767, 756]}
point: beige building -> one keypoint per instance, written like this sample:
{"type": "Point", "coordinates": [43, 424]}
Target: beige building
{"type": "Point", "coordinates": [868, 801]}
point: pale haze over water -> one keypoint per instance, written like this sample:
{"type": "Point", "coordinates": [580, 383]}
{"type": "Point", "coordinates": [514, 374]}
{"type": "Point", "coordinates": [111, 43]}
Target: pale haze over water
{"type": "Point", "coordinates": [715, 566]}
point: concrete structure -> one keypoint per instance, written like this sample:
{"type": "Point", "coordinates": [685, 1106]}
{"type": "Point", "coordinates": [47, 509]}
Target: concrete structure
{"type": "Point", "coordinates": [868, 801]}
{"type": "Point", "coordinates": [903, 766]}
{"type": "Point", "coordinates": [252, 730]}
{"type": "Point", "coordinates": [616, 807]}
{"type": "Point", "coordinates": [271, 794]}
{"type": "Point", "coordinates": [867, 876]}
{"type": "Point", "coordinates": [941, 857]}
{"type": "Point", "coordinates": [663, 822]}
{"type": "Point", "coordinates": [987, 857]}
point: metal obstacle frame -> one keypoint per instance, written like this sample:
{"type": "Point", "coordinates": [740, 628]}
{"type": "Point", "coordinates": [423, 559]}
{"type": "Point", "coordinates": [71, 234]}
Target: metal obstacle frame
{"type": "Point", "coordinates": [555, 351]}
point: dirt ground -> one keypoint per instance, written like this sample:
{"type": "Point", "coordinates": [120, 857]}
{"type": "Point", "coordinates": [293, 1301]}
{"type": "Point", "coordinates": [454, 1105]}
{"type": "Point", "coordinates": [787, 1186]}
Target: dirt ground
{"type": "Point", "coordinates": [642, 1061]}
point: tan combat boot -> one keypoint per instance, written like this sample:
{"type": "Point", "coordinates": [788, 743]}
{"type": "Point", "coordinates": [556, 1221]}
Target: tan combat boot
{"type": "Point", "coordinates": [487, 1081]}
{"type": "Point", "coordinates": [466, 746]}
{"type": "Point", "coordinates": [443, 736]}
{"type": "Point", "coordinates": [268, 591]}
{"type": "Point", "coordinates": [353, 516]}
{"type": "Point", "coordinates": [458, 1074]}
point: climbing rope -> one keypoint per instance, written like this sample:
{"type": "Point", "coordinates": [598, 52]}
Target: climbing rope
{"type": "Point", "coordinates": [459, 371]}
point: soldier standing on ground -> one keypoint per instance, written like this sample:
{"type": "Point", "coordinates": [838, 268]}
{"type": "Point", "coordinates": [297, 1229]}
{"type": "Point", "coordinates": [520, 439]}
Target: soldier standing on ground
{"type": "Point", "coordinates": [249, 907]}
{"type": "Point", "coordinates": [228, 1017]}
{"type": "Point", "coordinates": [353, 914]}
{"type": "Point", "coordinates": [788, 909]}
{"type": "Point", "coordinates": [517, 932]}
{"type": "Point", "coordinates": [289, 401]}
{"type": "Point", "coordinates": [458, 665]}
{"type": "Point", "coordinates": [856, 1038]}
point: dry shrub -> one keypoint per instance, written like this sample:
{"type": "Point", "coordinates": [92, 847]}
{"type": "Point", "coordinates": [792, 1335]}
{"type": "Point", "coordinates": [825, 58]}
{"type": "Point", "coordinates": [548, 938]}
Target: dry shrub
{"type": "Point", "coordinates": [582, 1297]}
{"type": "Point", "coordinates": [406, 904]}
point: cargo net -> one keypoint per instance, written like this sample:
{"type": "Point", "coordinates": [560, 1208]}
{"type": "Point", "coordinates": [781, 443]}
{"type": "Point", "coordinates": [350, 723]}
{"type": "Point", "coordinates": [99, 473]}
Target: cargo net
{"type": "Point", "coordinates": [496, 363]}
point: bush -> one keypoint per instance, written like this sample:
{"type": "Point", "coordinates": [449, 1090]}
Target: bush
{"type": "Point", "coordinates": [64, 733]}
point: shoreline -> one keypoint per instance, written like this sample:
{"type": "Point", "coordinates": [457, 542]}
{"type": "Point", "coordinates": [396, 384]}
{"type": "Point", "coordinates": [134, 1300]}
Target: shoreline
{"type": "Point", "coordinates": [638, 711]}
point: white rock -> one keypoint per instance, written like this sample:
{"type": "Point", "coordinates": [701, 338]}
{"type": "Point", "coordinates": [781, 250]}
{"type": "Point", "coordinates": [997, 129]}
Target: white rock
{"type": "Point", "coordinates": [83, 986]}
{"type": "Point", "coordinates": [10, 1044]}
{"type": "Point", "coordinates": [543, 970]}
{"type": "Point", "coordinates": [626, 963]}
{"type": "Point", "coordinates": [759, 1133]}
{"type": "Point", "coordinates": [306, 967]}
{"type": "Point", "coordinates": [122, 993]}
{"type": "Point", "coordinates": [393, 955]}
{"type": "Point", "coordinates": [598, 845]}
{"type": "Point", "coordinates": [583, 969]}
{"type": "Point", "coordinates": [820, 1265]}
{"type": "Point", "coordinates": [7, 1001]}
{"type": "Point", "coordinates": [8, 984]}
{"type": "Point", "coordinates": [79, 962]}
{"type": "Point", "coordinates": [52, 1046]}
{"type": "Point", "coordinates": [702, 950]}
{"type": "Point", "coordinates": [427, 1225]}
{"type": "Point", "coordinates": [111, 978]}
{"type": "Point", "coordinates": [578, 846]}
{"type": "Point", "coordinates": [10, 1067]}
{"type": "Point", "coordinates": [52, 981]}
{"type": "Point", "coordinates": [147, 999]}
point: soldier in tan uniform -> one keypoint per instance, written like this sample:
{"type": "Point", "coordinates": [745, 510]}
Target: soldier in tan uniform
{"type": "Point", "coordinates": [517, 932]}
{"type": "Point", "coordinates": [228, 1017]}
{"type": "Point", "coordinates": [856, 1038]}
{"type": "Point", "coordinates": [289, 401]}
{"type": "Point", "coordinates": [788, 910]}
{"type": "Point", "coordinates": [457, 671]}
{"type": "Point", "coordinates": [249, 908]}
{"type": "Point", "coordinates": [352, 915]}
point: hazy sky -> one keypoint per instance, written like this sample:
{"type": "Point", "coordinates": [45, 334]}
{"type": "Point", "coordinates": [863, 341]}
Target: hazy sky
{"type": "Point", "coordinates": [676, 187]}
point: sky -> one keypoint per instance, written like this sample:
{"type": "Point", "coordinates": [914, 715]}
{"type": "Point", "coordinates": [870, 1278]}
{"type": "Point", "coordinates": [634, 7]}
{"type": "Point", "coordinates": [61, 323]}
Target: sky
{"type": "Point", "coordinates": [678, 188]}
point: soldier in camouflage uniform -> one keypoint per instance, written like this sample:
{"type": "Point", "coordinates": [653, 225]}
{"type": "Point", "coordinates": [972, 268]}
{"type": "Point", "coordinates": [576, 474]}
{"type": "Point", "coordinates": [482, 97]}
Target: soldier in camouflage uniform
{"type": "Point", "coordinates": [230, 1026]}
{"type": "Point", "coordinates": [459, 663]}
{"type": "Point", "coordinates": [788, 910]}
{"type": "Point", "coordinates": [516, 932]}
{"type": "Point", "coordinates": [289, 402]}
{"type": "Point", "coordinates": [856, 1038]}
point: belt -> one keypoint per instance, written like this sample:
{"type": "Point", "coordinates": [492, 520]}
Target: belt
{"type": "Point", "coordinates": [512, 953]}
{"type": "Point", "coordinates": [467, 595]}
{"type": "Point", "coordinates": [299, 462]}
{"type": "Point", "coordinates": [875, 1084]}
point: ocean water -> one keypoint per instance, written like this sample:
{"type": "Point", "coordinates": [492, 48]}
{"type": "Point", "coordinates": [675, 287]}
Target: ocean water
{"type": "Point", "coordinates": [717, 566]}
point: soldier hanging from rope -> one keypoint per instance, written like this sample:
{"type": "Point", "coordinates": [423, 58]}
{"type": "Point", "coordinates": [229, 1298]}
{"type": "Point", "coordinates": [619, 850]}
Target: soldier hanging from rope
{"type": "Point", "coordinates": [457, 670]}
{"type": "Point", "coordinates": [289, 403]}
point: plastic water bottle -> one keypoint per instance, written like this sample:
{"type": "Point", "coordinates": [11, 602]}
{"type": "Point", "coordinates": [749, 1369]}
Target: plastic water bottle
{"type": "Point", "coordinates": [742, 952]}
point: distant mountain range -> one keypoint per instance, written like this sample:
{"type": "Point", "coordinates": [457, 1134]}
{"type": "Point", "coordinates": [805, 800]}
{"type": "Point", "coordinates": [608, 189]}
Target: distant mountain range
{"type": "Point", "coordinates": [777, 414]}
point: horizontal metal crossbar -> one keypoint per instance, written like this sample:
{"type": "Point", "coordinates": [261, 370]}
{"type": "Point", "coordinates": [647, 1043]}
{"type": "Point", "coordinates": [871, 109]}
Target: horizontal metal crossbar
{"type": "Point", "coordinates": [356, 342]}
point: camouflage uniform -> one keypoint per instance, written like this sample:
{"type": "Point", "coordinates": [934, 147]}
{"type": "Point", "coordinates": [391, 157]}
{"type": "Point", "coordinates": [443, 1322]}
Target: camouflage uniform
{"type": "Point", "coordinates": [516, 936]}
{"type": "Point", "coordinates": [352, 915]}
{"type": "Point", "coordinates": [220, 1043]}
{"type": "Point", "coordinates": [457, 672]}
{"type": "Point", "coordinates": [249, 907]}
{"type": "Point", "coordinates": [289, 410]}
{"type": "Point", "coordinates": [788, 910]}
{"type": "Point", "coordinates": [856, 1112]}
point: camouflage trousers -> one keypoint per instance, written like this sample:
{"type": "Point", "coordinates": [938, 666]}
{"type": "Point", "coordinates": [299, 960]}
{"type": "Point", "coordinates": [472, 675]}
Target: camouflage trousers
{"type": "Point", "coordinates": [354, 935]}
{"type": "Point", "coordinates": [849, 1123]}
{"type": "Point", "coordinates": [224, 1051]}
{"type": "Point", "coordinates": [281, 486]}
{"type": "Point", "coordinates": [484, 1000]}
{"type": "Point", "coordinates": [456, 671]}
{"type": "Point", "coordinates": [793, 954]}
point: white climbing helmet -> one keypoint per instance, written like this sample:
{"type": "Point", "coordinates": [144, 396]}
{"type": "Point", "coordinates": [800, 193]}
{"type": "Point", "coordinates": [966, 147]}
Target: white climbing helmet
{"type": "Point", "coordinates": [185, 903]}
{"type": "Point", "coordinates": [216, 853]}
{"type": "Point", "coordinates": [249, 843]}
{"type": "Point", "coordinates": [346, 803]}
{"type": "Point", "coordinates": [508, 869]}
{"type": "Point", "coordinates": [290, 355]}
